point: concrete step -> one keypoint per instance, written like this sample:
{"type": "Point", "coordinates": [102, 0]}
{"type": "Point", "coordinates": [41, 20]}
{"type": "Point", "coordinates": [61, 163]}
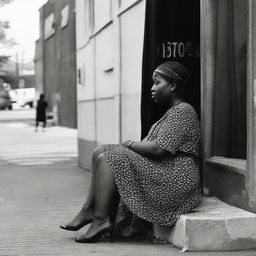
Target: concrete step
{"type": "Point", "coordinates": [212, 226]}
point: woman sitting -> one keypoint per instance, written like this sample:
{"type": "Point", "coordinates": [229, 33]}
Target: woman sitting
{"type": "Point", "coordinates": [157, 178]}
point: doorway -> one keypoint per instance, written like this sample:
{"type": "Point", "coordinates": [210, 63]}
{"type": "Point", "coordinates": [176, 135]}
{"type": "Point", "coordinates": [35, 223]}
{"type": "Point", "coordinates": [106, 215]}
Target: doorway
{"type": "Point", "coordinates": [224, 44]}
{"type": "Point", "coordinates": [172, 32]}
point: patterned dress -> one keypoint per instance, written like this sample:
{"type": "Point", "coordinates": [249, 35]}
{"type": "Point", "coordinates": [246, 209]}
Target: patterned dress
{"type": "Point", "coordinates": [159, 191]}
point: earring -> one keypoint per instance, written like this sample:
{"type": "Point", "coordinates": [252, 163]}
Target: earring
{"type": "Point", "coordinates": [174, 85]}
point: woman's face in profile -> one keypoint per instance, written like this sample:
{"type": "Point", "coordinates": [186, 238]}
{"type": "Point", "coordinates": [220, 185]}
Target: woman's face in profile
{"type": "Point", "coordinates": [160, 90]}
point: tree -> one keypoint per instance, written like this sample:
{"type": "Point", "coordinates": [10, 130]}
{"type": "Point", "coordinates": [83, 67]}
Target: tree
{"type": "Point", "coordinates": [4, 42]}
{"type": "Point", "coordinates": [4, 2]}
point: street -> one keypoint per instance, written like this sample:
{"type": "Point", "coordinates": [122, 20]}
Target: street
{"type": "Point", "coordinates": [41, 187]}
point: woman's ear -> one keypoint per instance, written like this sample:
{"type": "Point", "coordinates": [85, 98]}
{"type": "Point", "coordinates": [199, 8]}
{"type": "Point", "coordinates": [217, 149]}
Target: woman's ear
{"type": "Point", "coordinates": [173, 87]}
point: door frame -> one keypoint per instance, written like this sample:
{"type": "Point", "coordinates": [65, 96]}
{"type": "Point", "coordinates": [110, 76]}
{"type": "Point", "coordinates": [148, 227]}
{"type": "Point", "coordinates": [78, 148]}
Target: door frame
{"type": "Point", "coordinates": [232, 180]}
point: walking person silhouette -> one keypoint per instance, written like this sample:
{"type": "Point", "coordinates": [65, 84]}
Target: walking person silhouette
{"type": "Point", "coordinates": [41, 112]}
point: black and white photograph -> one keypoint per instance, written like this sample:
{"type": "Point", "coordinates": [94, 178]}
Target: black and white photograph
{"type": "Point", "coordinates": [128, 127]}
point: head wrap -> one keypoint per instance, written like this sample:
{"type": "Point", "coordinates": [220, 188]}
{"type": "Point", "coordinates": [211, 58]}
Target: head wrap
{"type": "Point", "coordinates": [173, 71]}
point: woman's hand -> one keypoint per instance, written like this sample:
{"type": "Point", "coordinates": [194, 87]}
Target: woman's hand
{"type": "Point", "coordinates": [126, 143]}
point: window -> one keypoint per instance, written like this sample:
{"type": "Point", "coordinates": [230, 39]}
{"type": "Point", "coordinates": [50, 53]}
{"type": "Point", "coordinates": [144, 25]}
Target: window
{"type": "Point", "coordinates": [49, 29]}
{"type": "Point", "coordinates": [64, 16]}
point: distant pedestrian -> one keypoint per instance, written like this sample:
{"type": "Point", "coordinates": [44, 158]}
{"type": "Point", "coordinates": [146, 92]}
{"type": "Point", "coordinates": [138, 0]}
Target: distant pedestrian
{"type": "Point", "coordinates": [41, 112]}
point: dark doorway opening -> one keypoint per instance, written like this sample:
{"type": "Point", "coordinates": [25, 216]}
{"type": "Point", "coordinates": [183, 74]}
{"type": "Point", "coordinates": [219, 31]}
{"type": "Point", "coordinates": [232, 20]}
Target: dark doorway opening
{"type": "Point", "coordinates": [172, 32]}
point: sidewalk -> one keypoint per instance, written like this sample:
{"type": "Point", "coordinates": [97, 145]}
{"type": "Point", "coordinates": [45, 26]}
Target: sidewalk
{"type": "Point", "coordinates": [41, 187]}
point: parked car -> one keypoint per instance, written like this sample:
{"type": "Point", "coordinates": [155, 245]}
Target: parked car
{"type": "Point", "coordinates": [5, 100]}
{"type": "Point", "coordinates": [23, 96]}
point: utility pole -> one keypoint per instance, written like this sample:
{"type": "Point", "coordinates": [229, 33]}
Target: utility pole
{"type": "Point", "coordinates": [17, 70]}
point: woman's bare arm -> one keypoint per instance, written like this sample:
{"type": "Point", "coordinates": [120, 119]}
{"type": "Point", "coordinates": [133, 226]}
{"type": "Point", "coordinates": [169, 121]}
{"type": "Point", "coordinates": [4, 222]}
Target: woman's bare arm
{"type": "Point", "coordinates": [148, 149]}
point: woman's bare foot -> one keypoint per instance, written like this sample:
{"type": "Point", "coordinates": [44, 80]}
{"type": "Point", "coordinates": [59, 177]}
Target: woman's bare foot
{"type": "Point", "coordinates": [84, 217]}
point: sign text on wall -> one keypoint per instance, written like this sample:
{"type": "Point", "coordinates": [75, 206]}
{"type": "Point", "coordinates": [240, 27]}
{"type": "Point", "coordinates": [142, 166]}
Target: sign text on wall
{"type": "Point", "coordinates": [175, 49]}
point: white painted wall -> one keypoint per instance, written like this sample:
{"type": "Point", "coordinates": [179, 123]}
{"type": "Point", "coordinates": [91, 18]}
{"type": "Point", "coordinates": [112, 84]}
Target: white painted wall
{"type": "Point", "coordinates": [106, 107]}
{"type": "Point", "coordinates": [102, 13]}
{"type": "Point", "coordinates": [132, 33]}
{"type": "Point", "coordinates": [86, 120]}
{"type": "Point", "coordinates": [83, 20]}
{"type": "Point", "coordinates": [126, 3]}
{"type": "Point", "coordinates": [109, 70]}
{"type": "Point", "coordinates": [104, 61]}
{"type": "Point", "coordinates": [85, 62]}
{"type": "Point", "coordinates": [107, 130]}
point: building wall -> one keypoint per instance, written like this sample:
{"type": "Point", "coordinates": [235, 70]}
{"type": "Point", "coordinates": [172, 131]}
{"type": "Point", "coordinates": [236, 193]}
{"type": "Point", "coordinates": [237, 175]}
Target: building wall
{"type": "Point", "coordinates": [39, 68]}
{"type": "Point", "coordinates": [39, 71]}
{"type": "Point", "coordinates": [68, 109]}
{"type": "Point", "coordinates": [131, 66]}
{"type": "Point", "coordinates": [59, 60]}
{"type": "Point", "coordinates": [109, 65]}
{"type": "Point", "coordinates": [27, 81]}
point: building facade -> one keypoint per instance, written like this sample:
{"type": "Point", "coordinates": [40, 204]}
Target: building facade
{"type": "Point", "coordinates": [228, 100]}
{"type": "Point", "coordinates": [38, 60]}
{"type": "Point", "coordinates": [109, 69]}
{"type": "Point", "coordinates": [119, 43]}
{"type": "Point", "coordinates": [55, 60]}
